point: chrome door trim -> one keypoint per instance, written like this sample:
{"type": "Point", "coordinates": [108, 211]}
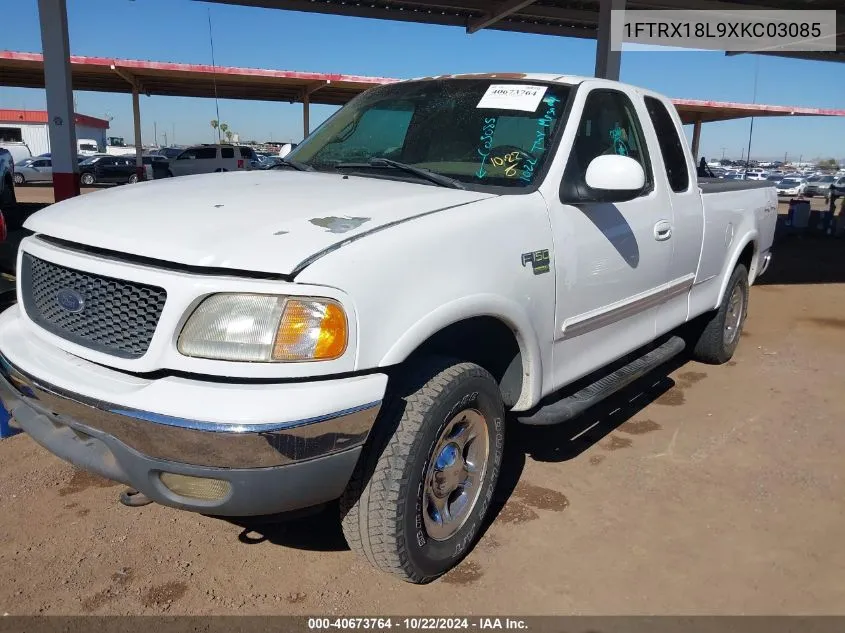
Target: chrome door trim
{"type": "Point", "coordinates": [584, 324]}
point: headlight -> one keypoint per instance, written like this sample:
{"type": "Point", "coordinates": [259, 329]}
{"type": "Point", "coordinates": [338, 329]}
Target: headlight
{"type": "Point", "coordinates": [265, 328]}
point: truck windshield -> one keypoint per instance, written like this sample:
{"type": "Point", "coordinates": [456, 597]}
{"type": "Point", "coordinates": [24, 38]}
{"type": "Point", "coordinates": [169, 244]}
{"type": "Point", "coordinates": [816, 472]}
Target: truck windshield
{"type": "Point", "coordinates": [481, 132]}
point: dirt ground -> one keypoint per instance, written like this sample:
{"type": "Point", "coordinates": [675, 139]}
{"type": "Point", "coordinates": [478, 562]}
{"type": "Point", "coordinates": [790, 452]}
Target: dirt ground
{"type": "Point", "coordinates": [702, 490]}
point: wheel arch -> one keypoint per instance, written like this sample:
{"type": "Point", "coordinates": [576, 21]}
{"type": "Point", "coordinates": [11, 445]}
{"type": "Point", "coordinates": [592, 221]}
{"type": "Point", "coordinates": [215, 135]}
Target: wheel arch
{"type": "Point", "coordinates": [745, 253]}
{"type": "Point", "coordinates": [487, 329]}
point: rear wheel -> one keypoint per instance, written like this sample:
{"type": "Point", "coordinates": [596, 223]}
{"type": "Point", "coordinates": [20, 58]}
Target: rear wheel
{"type": "Point", "coordinates": [719, 332]}
{"type": "Point", "coordinates": [423, 485]}
{"type": "Point", "coordinates": [133, 179]}
{"type": "Point", "coordinates": [87, 179]}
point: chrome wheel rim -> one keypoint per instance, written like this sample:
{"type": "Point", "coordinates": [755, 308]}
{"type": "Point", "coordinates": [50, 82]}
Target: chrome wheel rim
{"type": "Point", "coordinates": [456, 468]}
{"type": "Point", "coordinates": [733, 317]}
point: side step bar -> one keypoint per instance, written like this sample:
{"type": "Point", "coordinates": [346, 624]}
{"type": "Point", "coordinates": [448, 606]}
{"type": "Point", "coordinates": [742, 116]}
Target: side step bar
{"type": "Point", "coordinates": [570, 406]}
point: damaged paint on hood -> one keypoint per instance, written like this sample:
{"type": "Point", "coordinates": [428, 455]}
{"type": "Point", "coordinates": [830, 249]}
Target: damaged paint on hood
{"type": "Point", "coordinates": [235, 219]}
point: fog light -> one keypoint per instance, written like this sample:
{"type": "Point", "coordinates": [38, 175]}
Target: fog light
{"type": "Point", "coordinates": [196, 487]}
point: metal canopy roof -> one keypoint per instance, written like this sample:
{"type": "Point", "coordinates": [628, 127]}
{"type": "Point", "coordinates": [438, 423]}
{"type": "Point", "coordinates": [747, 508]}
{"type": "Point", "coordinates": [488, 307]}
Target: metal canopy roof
{"type": "Point", "coordinates": [568, 18]}
{"type": "Point", "coordinates": [100, 74]}
{"type": "Point", "coordinates": [188, 80]}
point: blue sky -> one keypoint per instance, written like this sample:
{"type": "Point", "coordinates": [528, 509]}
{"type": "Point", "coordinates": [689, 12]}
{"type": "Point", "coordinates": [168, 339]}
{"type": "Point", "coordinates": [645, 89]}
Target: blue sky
{"type": "Point", "coordinates": [177, 30]}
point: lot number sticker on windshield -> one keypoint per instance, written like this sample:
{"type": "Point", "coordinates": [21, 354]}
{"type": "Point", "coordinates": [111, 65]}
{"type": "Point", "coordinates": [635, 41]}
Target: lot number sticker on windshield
{"type": "Point", "coordinates": [512, 97]}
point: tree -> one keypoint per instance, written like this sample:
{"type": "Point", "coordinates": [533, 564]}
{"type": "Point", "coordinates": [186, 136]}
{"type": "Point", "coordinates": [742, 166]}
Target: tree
{"type": "Point", "coordinates": [214, 125]}
{"type": "Point", "coordinates": [229, 135]}
{"type": "Point", "coordinates": [828, 163]}
{"type": "Point", "coordinates": [224, 127]}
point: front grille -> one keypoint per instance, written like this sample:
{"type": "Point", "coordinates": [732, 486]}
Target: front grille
{"type": "Point", "coordinates": [117, 317]}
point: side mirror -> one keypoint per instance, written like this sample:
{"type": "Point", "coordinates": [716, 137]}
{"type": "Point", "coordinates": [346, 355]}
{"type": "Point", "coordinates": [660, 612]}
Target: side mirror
{"type": "Point", "coordinates": [609, 178]}
{"type": "Point", "coordinates": [615, 178]}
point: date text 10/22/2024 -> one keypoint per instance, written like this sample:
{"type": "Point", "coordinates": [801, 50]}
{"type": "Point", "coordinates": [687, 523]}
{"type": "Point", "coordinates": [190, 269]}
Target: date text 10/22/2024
{"type": "Point", "coordinates": [416, 623]}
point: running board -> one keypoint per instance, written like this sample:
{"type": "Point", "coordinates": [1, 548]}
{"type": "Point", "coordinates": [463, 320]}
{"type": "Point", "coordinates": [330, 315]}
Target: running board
{"type": "Point", "coordinates": [567, 408]}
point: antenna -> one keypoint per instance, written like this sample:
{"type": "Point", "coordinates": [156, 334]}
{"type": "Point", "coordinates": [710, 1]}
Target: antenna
{"type": "Point", "coordinates": [753, 100]}
{"type": "Point", "coordinates": [213, 72]}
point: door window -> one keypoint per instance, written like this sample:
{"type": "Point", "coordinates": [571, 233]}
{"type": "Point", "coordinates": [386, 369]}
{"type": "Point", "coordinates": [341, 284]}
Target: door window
{"type": "Point", "coordinates": [674, 158]}
{"type": "Point", "coordinates": [44, 162]}
{"type": "Point", "coordinates": [199, 152]}
{"type": "Point", "coordinates": [609, 125]}
{"type": "Point", "coordinates": [227, 152]}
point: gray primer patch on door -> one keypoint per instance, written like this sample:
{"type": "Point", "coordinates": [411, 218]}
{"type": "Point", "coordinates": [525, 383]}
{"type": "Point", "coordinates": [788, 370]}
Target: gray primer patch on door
{"type": "Point", "coordinates": [339, 225]}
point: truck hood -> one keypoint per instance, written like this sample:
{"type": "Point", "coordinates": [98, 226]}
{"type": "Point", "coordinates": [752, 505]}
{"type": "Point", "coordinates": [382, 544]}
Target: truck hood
{"type": "Point", "coordinates": [263, 221]}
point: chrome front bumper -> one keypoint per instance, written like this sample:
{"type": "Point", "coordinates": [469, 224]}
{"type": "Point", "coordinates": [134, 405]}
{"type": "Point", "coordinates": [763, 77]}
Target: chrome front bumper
{"type": "Point", "coordinates": [191, 441]}
{"type": "Point", "coordinates": [265, 470]}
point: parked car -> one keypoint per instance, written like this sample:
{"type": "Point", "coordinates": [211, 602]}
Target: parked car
{"type": "Point", "coordinates": [204, 159]}
{"type": "Point", "coordinates": [34, 170]}
{"type": "Point", "coordinates": [87, 147]}
{"type": "Point", "coordinates": [818, 186]}
{"type": "Point", "coordinates": [790, 187]}
{"type": "Point", "coordinates": [19, 151]}
{"type": "Point", "coordinates": [753, 175]}
{"type": "Point", "coordinates": [359, 331]}
{"type": "Point", "coordinates": [170, 152]}
{"type": "Point", "coordinates": [774, 178]}
{"type": "Point", "coordinates": [108, 169]}
{"type": "Point", "coordinates": [159, 166]}
{"type": "Point", "coordinates": [8, 201]}
{"type": "Point", "coordinates": [837, 188]}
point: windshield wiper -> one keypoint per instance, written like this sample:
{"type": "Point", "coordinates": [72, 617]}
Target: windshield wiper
{"type": "Point", "coordinates": [287, 162]}
{"type": "Point", "coordinates": [425, 174]}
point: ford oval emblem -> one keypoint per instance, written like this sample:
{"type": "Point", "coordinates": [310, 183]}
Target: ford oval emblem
{"type": "Point", "coordinates": [70, 300]}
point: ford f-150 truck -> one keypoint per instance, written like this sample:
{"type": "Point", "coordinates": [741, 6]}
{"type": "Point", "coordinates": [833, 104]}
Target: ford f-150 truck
{"type": "Point", "coordinates": [440, 256]}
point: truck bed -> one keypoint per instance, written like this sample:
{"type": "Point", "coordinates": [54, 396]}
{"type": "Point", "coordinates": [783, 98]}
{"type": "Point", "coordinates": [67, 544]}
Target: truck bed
{"type": "Point", "coordinates": [718, 185]}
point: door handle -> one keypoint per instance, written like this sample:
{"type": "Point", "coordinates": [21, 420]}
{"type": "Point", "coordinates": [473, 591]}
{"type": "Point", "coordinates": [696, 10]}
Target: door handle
{"type": "Point", "coordinates": [662, 230]}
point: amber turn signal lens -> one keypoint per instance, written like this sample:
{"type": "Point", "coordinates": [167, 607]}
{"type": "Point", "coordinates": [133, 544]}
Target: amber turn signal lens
{"type": "Point", "coordinates": [311, 329]}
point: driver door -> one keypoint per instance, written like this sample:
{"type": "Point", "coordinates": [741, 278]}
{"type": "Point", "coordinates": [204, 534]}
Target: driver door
{"type": "Point", "coordinates": [611, 259]}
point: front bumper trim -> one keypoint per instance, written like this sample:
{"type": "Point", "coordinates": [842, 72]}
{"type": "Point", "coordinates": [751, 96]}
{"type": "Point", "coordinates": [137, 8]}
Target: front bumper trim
{"type": "Point", "coordinates": [186, 441]}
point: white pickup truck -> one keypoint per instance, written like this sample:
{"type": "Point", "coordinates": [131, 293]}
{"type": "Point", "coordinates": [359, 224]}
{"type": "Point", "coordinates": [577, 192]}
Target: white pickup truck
{"type": "Point", "coordinates": [440, 256]}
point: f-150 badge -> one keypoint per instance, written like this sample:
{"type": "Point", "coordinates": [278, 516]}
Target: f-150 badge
{"type": "Point", "coordinates": [539, 261]}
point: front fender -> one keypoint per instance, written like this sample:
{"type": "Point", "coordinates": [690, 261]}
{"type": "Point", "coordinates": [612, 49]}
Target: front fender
{"type": "Point", "coordinates": [477, 305]}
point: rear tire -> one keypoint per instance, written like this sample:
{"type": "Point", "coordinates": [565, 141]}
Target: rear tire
{"type": "Point", "coordinates": [87, 179]}
{"type": "Point", "coordinates": [133, 179]}
{"type": "Point", "coordinates": [430, 436]}
{"type": "Point", "coordinates": [719, 332]}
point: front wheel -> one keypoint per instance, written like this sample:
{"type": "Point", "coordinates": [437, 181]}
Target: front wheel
{"type": "Point", "coordinates": [87, 179]}
{"type": "Point", "coordinates": [133, 179]}
{"type": "Point", "coordinates": [19, 179]}
{"type": "Point", "coordinates": [417, 501]}
{"type": "Point", "coordinates": [719, 332]}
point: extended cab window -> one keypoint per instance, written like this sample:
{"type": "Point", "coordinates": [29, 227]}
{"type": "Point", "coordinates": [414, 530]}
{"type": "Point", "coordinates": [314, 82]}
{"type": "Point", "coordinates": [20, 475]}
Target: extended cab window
{"type": "Point", "coordinates": [481, 132]}
{"type": "Point", "coordinates": [671, 149]}
{"type": "Point", "coordinates": [609, 125]}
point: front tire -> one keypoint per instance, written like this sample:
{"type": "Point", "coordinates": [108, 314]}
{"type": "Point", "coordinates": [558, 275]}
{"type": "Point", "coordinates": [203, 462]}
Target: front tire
{"type": "Point", "coordinates": [87, 179]}
{"type": "Point", "coordinates": [133, 179]}
{"type": "Point", "coordinates": [720, 331]}
{"type": "Point", "coordinates": [19, 179]}
{"type": "Point", "coordinates": [418, 498]}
